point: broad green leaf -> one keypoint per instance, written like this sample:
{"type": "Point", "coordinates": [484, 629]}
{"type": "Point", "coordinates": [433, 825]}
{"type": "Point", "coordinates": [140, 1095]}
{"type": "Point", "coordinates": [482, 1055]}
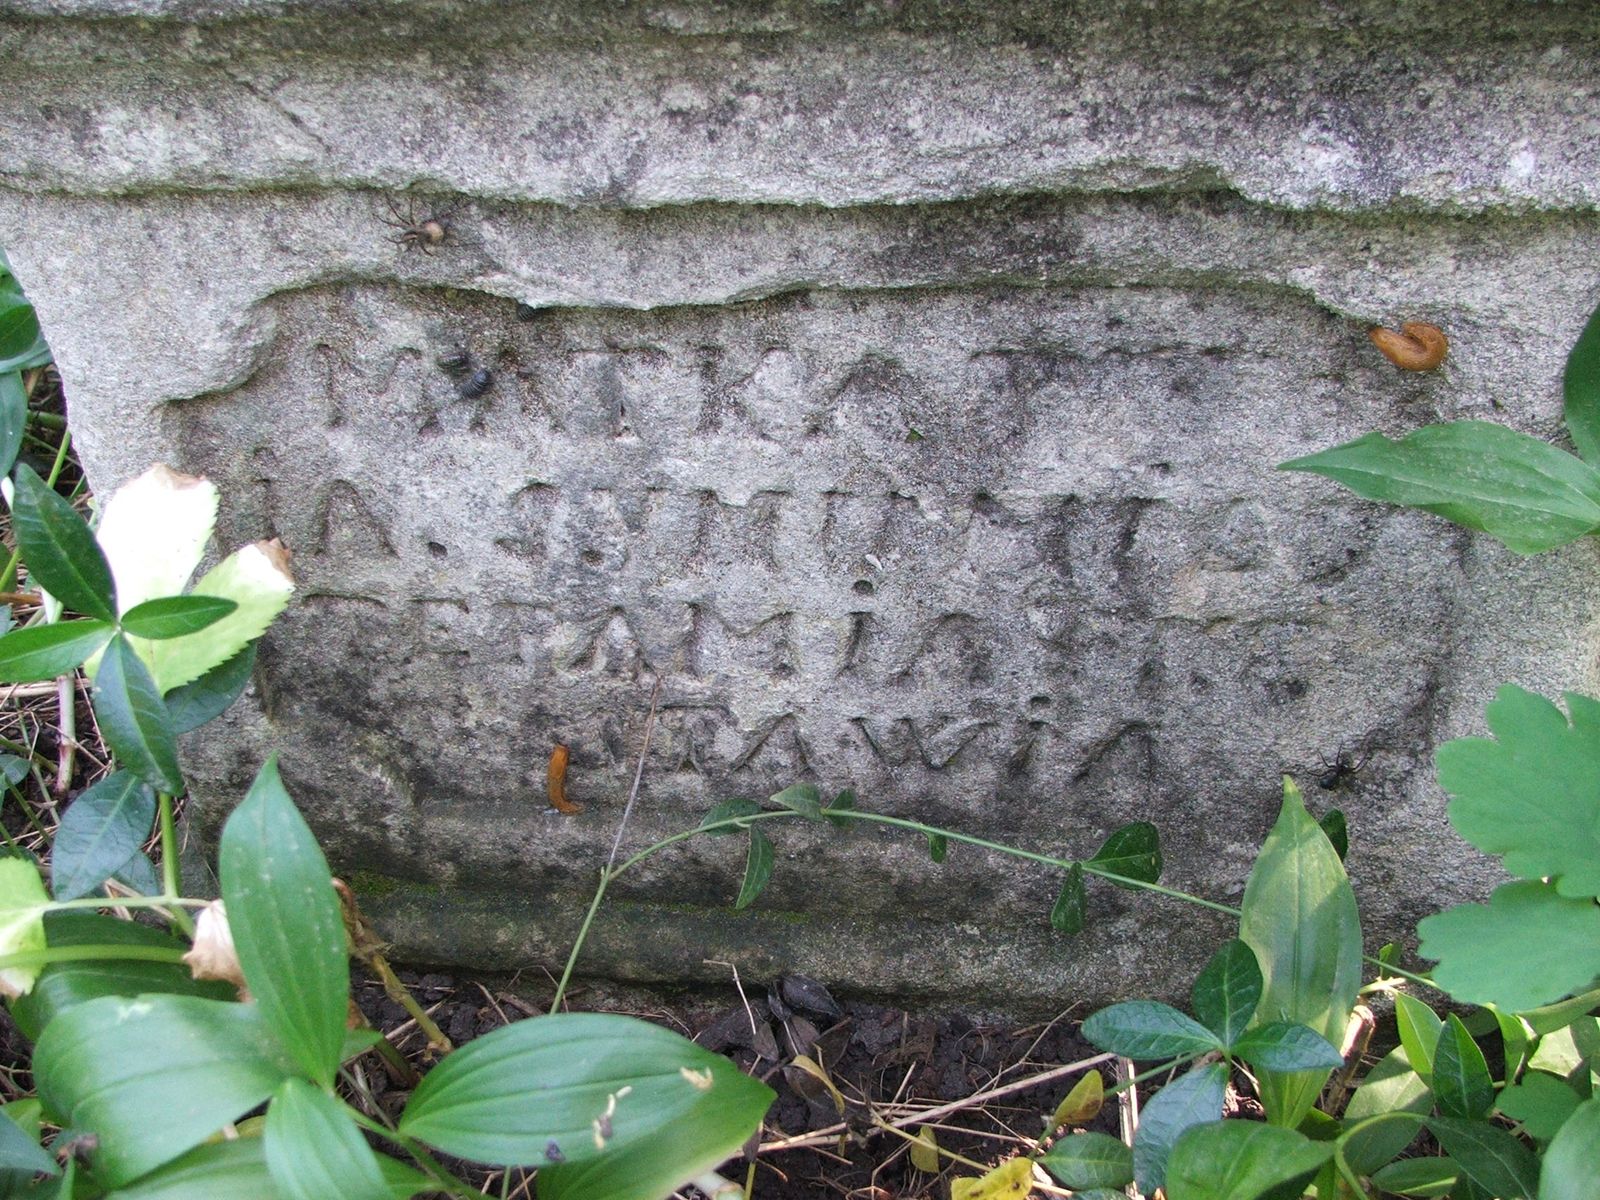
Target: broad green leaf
{"type": "Point", "coordinates": [1285, 1047]}
{"type": "Point", "coordinates": [100, 830]}
{"type": "Point", "coordinates": [22, 904]}
{"type": "Point", "coordinates": [314, 1149]}
{"type": "Point", "coordinates": [1148, 1029]}
{"type": "Point", "coordinates": [1568, 1051]}
{"type": "Point", "coordinates": [1299, 916]}
{"type": "Point", "coordinates": [547, 1090]}
{"type": "Point", "coordinates": [844, 802]}
{"type": "Point", "coordinates": [1541, 1102]}
{"type": "Point", "coordinates": [286, 924]}
{"type": "Point", "coordinates": [1489, 1156]}
{"type": "Point", "coordinates": [938, 846]}
{"type": "Point", "coordinates": [730, 810]}
{"type": "Point", "coordinates": [257, 579]}
{"type": "Point", "coordinates": [1090, 1160]}
{"type": "Point", "coordinates": [1526, 947]}
{"type": "Point", "coordinates": [1132, 852]}
{"type": "Point", "coordinates": [65, 985]}
{"type": "Point", "coordinates": [1338, 830]}
{"type": "Point", "coordinates": [1227, 992]}
{"type": "Point", "coordinates": [139, 873]}
{"type": "Point", "coordinates": [1570, 1161]}
{"type": "Point", "coordinates": [20, 1151]}
{"type": "Point", "coordinates": [133, 720]}
{"type": "Point", "coordinates": [1580, 384]}
{"type": "Point", "coordinates": [198, 701]}
{"type": "Point", "coordinates": [20, 339]}
{"type": "Point", "coordinates": [1524, 492]}
{"type": "Point", "coordinates": [13, 417]}
{"type": "Point", "coordinates": [153, 531]}
{"type": "Point", "coordinates": [1067, 913]}
{"type": "Point", "coordinates": [1193, 1099]}
{"type": "Point", "coordinates": [1418, 1177]}
{"type": "Point", "coordinates": [1420, 1028]}
{"type": "Point", "coordinates": [1462, 1085]}
{"type": "Point", "coordinates": [1243, 1160]}
{"type": "Point", "coordinates": [1516, 1041]}
{"type": "Point", "coordinates": [1391, 1087]}
{"type": "Point", "coordinates": [175, 616]}
{"type": "Point", "coordinates": [40, 652]}
{"type": "Point", "coordinates": [155, 1075]}
{"type": "Point", "coordinates": [1532, 793]}
{"type": "Point", "coordinates": [802, 798]}
{"type": "Point", "coordinates": [61, 553]}
{"type": "Point", "coordinates": [757, 868]}
{"type": "Point", "coordinates": [1083, 1103]}
{"type": "Point", "coordinates": [237, 1170]}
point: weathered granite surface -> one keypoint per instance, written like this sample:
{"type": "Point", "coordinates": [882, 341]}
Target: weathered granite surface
{"type": "Point", "coordinates": [896, 385]}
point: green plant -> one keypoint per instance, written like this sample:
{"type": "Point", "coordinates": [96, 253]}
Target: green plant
{"type": "Point", "coordinates": [22, 348]}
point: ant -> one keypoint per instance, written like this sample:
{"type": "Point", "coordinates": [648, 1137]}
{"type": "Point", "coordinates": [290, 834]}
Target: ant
{"type": "Point", "coordinates": [1335, 773]}
{"type": "Point", "coordinates": [417, 234]}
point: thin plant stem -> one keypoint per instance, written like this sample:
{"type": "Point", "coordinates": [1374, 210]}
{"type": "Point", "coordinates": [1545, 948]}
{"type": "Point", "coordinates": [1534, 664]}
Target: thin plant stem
{"type": "Point", "coordinates": [606, 874]}
{"type": "Point", "coordinates": [61, 458]}
{"type": "Point", "coordinates": [48, 420]}
{"type": "Point", "coordinates": [169, 861]}
{"type": "Point", "coordinates": [124, 902]}
{"type": "Point", "coordinates": [430, 1165]}
{"type": "Point", "coordinates": [55, 954]}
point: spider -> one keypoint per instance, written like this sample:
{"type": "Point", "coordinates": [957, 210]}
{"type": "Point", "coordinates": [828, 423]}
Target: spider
{"type": "Point", "coordinates": [417, 234]}
{"type": "Point", "coordinates": [1335, 773]}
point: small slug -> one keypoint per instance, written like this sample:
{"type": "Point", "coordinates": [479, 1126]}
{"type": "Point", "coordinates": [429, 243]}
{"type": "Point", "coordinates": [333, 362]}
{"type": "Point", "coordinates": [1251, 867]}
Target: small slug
{"type": "Point", "coordinates": [556, 778]}
{"type": "Point", "coordinates": [1417, 347]}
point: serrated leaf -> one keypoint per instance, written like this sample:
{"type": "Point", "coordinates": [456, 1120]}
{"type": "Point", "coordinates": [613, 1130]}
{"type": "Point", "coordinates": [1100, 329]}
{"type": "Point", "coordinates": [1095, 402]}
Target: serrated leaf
{"type": "Point", "coordinates": [61, 553]}
{"type": "Point", "coordinates": [1082, 1103]}
{"type": "Point", "coordinates": [1580, 385]}
{"type": "Point", "coordinates": [153, 531]}
{"type": "Point", "coordinates": [726, 811]}
{"type": "Point", "coordinates": [175, 616]}
{"type": "Point", "coordinates": [1524, 492]}
{"type": "Point", "coordinates": [1067, 913]}
{"type": "Point", "coordinates": [286, 924]}
{"type": "Point", "coordinates": [1337, 830]}
{"type": "Point", "coordinates": [1541, 1102]}
{"type": "Point", "coordinates": [1132, 852]}
{"type": "Point", "coordinates": [200, 700]}
{"type": "Point", "coordinates": [1489, 1156]}
{"type": "Point", "coordinates": [22, 904]}
{"type": "Point", "coordinates": [1286, 1047]}
{"type": "Point", "coordinates": [925, 1151]}
{"type": "Point", "coordinates": [314, 1149]}
{"type": "Point", "coordinates": [99, 831]}
{"type": "Point", "coordinates": [1419, 1028]}
{"type": "Point", "coordinates": [1488, 954]}
{"type": "Point", "coordinates": [803, 798]}
{"type": "Point", "coordinates": [757, 869]}
{"type": "Point", "coordinates": [1011, 1180]}
{"type": "Point", "coordinates": [40, 652]}
{"type": "Point", "coordinates": [257, 579]}
{"type": "Point", "coordinates": [1148, 1029]}
{"type": "Point", "coordinates": [1568, 1170]}
{"type": "Point", "coordinates": [13, 418]}
{"type": "Point", "coordinates": [1193, 1099]}
{"type": "Point", "coordinates": [1090, 1160]}
{"type": "Point", "coordinates": [1243, 1160]}
{"type": "Point", "coordinates": [1532, 793]}
{"type": "Point", "coordinates": [1462, 1085]}
{"type": "Point", "coordinates": [1227, 991]}
{"type": "Point", "coordinates": [938, 846]}
{"type": "Point", "coordinates": [133, 720]}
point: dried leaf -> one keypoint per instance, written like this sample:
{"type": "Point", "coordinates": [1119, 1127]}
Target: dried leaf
{"type": "Point", "coordinates": [1082, 1103]}
{"type": "Point", "coordinates": [1011, 1180]}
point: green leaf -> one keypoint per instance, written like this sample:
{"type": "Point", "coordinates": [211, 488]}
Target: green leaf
{"type": "Point", "coordinates": [545, 1090]}
{"type": "Point", "coordinates": [13, 417]}
{"type": "Point", "coordinates": [237, 1170]}
{"type": "Point", "coordinates": [845, 801]}
{"type": "Point", "coordinates": [100, 830]}
{"type": "Point", "coordinates": [1193, 1099]}
{"type": "Point", "coordinates": [19, 1151]}
{"type": "Point", "coordinates": [1532, 793]}
{"type": "Point", "coordinates": [1418, 1176]}
{"type": "Point", "coordinates": [1420, 1028]}
{"type": "Point", "coordinates": [1090, 1160]}
{"type": "Point", "coordinates": [1489, 1156]}
{"type": "Point", "coordinates": [1581, 387]}
{"type": "Point", "coordinates": [802, 798]}
{"type": "Point", "coordinates": [730, 810]}
{"type": "Point", "coordinates": [1522, 491]}
{"type": "Point", "coordinates": [314, 1149]}
{"type": "Point", "coordinates": [287, 925]}
{"type": "Point", "coordinates": [198, 701]}
{"type": "Point", "coordinates": [13, 770]}
{"type": "Point", "coordinates": [1066, 915]}
{"type": "Point", "coordinates": [757, 868]}
{"type": "Point", "coordinates": [22, 904]}
{"type": "Point", "coordinates": [1148, 1029]}
{"type": "Point", "coordinates": [1568, 1172]}
{"type": "Point", "coordinates": [1541, 1102]}
{"type": "Point", "coordinates": [154, 1076]}
{"type": "Point", "coordinates": [1227, 992]}
{"type": "Point", "coordinates": [1299, 916]}
{"type": "Point", "coordinates": [1243, 1160]}
{"type": "Point", "coordinates": [133, 720]}
{"type": "Point", "coordinates": [1338, 830]}
{"type": "Point", "coordinates": [21, 343]}
{"type": "Point", "coordinates": [938, 846]}
{"type": "Point", "coordinates": [1391, 1087]}
{"type": "Point", "coordinates": [1462, 1085]}
{"type": "Point", "coordinates": [65, 985]}
{"type": "Point", "coordinates": [256, 578]}
{"type": "Point", "coordinates": [40, 652]}
{"type": "Point", "coordinates": [61, 553]}
{"type": "Point", "coordinates": [1286, 1047]}
{"type": "Point", "coordinates": [175, 616]}
{"type": "Point", "coordinates": [1526, 947]}
{"type": "Point", "coordinates": [1132, 852]}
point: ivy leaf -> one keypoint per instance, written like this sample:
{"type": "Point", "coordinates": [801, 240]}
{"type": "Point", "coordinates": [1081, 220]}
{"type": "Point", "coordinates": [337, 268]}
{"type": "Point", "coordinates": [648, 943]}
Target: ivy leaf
{"type": "Point", "coordinates": [1532, 792]}
{"type": "Point", "coordinates": [1227, 992]}
{"type": "Point", "coordinates": [1580, 385]}
{"type": "Point", "coordinates": [757, 868]}
{"type": "Point", "coordinates": [1066, 915]}
{"type": "Point", "coordinates": [1133, 852]}
{"type": "Point", "coordinates": [1524, 492]}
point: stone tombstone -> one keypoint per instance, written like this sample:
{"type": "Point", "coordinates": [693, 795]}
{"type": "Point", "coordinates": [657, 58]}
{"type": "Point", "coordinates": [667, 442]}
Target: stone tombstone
{"type": "Point", "coordinates": [888, 393]}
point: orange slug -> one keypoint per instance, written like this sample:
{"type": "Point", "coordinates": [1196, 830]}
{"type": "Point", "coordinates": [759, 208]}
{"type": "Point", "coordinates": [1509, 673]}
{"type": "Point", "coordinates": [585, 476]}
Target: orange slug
{"type": "Point", "coordinates": [556, 778]}
{"type": "Point", "coordinates": [1417, 347]}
